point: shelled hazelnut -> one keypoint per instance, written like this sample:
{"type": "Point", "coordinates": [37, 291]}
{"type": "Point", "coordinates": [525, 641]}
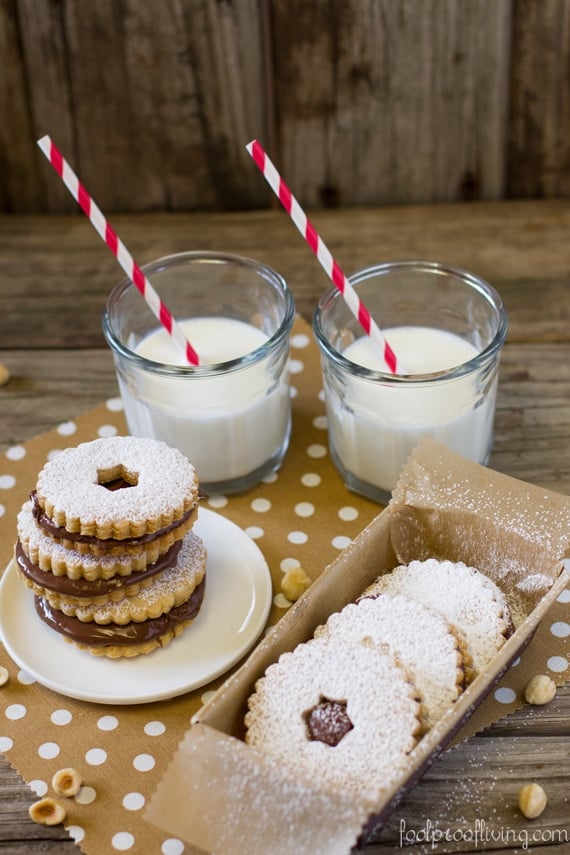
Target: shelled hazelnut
{"type": "Point", "coordinates": [532, 800]}
{"type": "Point", "coordinates": [540, 689]}
{"type": "Point", "coordinates": [47, 811]}
{"type": "Point", "coordinates": [66, 782]}
{"type": "Point", "coordinates": [294, 583]}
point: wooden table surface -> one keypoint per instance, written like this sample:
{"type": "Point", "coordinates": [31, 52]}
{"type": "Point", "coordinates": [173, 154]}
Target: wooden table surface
{"type": "Point", "coordinates": [54, 277]}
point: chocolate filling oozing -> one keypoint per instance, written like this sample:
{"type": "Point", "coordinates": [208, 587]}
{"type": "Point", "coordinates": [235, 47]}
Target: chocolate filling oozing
{"type": "Point", "coordinates": [98, 587]}
{"type": "Point", "coordinates": [113, 634]}
{"type": "Point", "coordinates": [328, 721]}
{"type": "Point", "coordinates": [117, 484]}
{"type": "Point", "coordinates": [60, 533]}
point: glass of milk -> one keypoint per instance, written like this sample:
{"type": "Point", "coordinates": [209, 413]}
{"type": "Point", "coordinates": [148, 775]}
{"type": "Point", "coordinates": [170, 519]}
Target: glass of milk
{"type": "Point", "coordinates": [447, 328]}
{"type": "Point", "coordinates": [231, 414]}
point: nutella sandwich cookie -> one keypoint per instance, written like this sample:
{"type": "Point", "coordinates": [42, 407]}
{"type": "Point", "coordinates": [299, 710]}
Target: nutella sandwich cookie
{"type": "Point", "coordinates": [137, 624]}
{"type": "Point", "coordinates": [117, 641]}
{"type": "Point", "coordinates": [470, 601]}
{"type": "Point", "coordinates": [344, 713]}
{"type": "Point", "coordinates": [120, 488]}
{"type": "Point", "coordinates": [166, 590]}
{"type": "Point", "coordinates": [59, 589]}
{"type": "Point", "coordinates": [57, 558]}
{"type": "Point", "coordinates": [419, 638]}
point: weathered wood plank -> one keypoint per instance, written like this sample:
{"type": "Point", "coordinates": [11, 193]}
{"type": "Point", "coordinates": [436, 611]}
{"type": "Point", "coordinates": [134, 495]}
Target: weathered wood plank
{"type": "Point", "coordinates": [151, 103]}
{"type": "Point", "coordinates": [50, 387]}
{"type": "Point", "coordinates": [18, 166]}
{"type": "Point", "coordinates": [18, 834]}
{"type": "Point", "coordinates": [538, 151]}
{"type": "Point", "coordinates": [382, 102]}
{"type": "Point", "coordinates": [478, 782]}
{"type": "Point", "coordinates": [66, 260]}
{"type": "Point", "coordinates": [553, 719]}
{"type": "Point", "coordinates": [62, 261]}
{"type": "Point", "coordinates": [368, 102]}
{"type": "Point", "coordinates": [532, 440]}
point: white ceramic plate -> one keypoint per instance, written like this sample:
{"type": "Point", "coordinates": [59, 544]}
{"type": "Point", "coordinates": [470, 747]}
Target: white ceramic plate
{"type": "Point", "coordinates": [233, 614]}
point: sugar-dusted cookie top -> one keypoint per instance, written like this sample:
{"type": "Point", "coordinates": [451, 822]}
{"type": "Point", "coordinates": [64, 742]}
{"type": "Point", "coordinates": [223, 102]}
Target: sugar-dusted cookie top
{"type": "Point", "coordinates": [342, 712]}
{"type": "Point", "coordinates": [420, 638]}
{"type": "Point", "coordinates": [117, 487]}
{"type": "Point", "coordinates": [470, 601]}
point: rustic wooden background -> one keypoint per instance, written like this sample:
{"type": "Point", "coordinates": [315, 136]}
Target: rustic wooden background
{"type": "Point", "coordinates": [359, 102]}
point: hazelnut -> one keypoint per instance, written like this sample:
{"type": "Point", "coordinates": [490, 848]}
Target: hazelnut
{"type": "Point", "coordinates": [66, 782]}
{"type": "Point", "coordinates": [294, 583]}
{"type": "Point", "coordinates": [4, 375]}
{"type": "Point", "coordinates": [4, 675]}
{"type": "Point", "coordinates": [532, 800]}
{"type": "Point", "coordinates": [540, 690]}
{"type": "Point", "coordinates": [47, 812]}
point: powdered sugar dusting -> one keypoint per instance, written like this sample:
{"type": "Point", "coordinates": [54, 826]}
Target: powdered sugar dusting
{"type": "Point", "coordinates": [469, 600]}
{"type": "Point", "coordinates": [418, 637]}
{"type": "Point", "coordinates": [380, 704]}
{"type": "Point", "coordinates": [69, 486]}
{"type": "Point", "coordinates": [434, 478]}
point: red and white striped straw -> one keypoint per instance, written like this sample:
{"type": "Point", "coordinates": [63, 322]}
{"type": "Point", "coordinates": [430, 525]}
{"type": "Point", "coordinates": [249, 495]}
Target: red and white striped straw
{"type": "Point", "coordinates": [322, 253]}
{"type": "Point", "coordinates": [117, 247]}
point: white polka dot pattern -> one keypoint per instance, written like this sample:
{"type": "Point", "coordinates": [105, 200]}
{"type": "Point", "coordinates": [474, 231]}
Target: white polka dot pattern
{"type": "Point", "coordinates": [558, 664]}
{"type": "Point", "coordinates": [122, 841]}
{"type": "Point", "coordinates": [134, 801]}
{"type": "Point", "coordinates": [108, 722]}
{"type": "Point", "coordinates": [49, 750]}
{"type": "Point", "coordinates": [61, 717]}
{"type": "Point", "coordinates": [15, 712]}
{"type": "Point", "coordinates": [17, 452]}
{"type": "Point", "coordinates": [504, 695]}
{"type": "Point", "coordinates": [172, 846]}
{"type": "Point", "coordinates": [107, 430]}
{"type": "Point", "coordinates": [75, 832]}
{"type": "Point", "coordinates": [144, 762]}
{"type": "Point", "coordinates": [95, 757]}
{"type": "Point", "coordinates": [67, 428]}
{"type": "Point", "coordinates": [39, 787]}
{"type": "Point", "coordinates": [85, 796]}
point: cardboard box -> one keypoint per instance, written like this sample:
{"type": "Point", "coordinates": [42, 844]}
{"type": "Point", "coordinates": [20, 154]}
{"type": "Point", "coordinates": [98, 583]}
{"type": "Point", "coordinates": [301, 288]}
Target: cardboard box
{"type": "Point", "coordinates": [224, 797]}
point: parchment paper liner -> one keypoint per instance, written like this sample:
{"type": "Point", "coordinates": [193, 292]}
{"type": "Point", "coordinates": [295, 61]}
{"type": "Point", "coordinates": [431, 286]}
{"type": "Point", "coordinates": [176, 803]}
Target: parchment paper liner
{"type": "Point", "coordinates": [225, 797]}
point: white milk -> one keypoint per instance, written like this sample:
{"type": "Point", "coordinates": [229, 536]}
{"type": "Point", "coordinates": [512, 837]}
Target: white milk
{"type": "Point", "coordinates": [228, 424]}
{"type": "Point", "coordinates": [376, 425]}
{"type": "Point", "coordinates": [214, 339]}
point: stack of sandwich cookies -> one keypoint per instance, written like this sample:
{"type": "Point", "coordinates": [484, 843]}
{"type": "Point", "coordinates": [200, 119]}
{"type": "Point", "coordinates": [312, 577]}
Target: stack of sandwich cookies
{"type": "Point", "coordinates": [106, 545]}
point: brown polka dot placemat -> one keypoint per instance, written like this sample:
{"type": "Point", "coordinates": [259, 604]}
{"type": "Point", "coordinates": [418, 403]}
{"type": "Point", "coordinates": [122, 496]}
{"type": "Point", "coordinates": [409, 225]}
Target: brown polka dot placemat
{"type": "Point", "coordinates": [303, 515]}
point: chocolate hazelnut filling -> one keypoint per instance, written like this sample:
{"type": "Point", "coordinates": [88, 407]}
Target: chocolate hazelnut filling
{"type": "Point", "coordinates": [328, 721]}
{"type": "Point", "coordinates": [97, 587]}
{"type": "Point", "coordinates": [94, 634]}
{"type": "Point", "coordinates": [60, 533]}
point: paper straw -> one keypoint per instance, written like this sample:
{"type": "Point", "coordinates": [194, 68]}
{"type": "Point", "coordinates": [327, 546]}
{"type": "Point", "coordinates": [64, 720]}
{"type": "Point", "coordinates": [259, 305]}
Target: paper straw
{"type": "Point", "coordinates": [118, 248]}
{"type": "Point", "coordinates": [322, 253]}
